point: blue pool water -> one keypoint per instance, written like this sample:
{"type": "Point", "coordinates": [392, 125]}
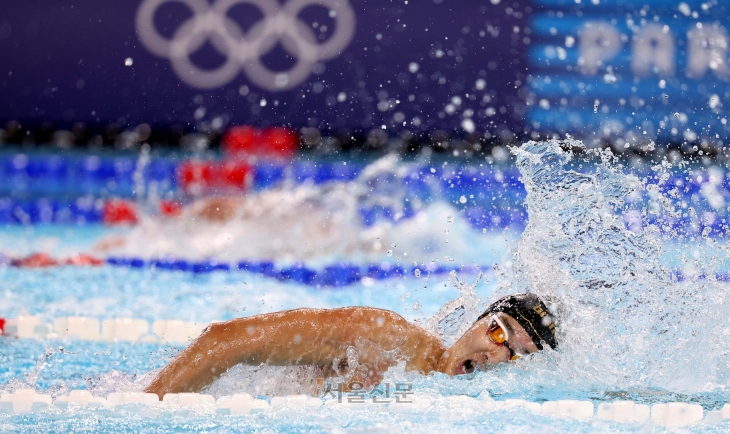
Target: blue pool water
{"type": "Point", "coordinates": [630, 330]}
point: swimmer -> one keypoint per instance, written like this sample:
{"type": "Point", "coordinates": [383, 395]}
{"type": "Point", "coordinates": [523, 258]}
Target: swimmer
{"type": "Point", "coordinates": [362, 342]}
{"type": "Point", "coordinates": [291, 224]}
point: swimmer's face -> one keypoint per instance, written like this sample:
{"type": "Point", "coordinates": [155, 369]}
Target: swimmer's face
{"type": "Point", "coordinates": [476, 350]}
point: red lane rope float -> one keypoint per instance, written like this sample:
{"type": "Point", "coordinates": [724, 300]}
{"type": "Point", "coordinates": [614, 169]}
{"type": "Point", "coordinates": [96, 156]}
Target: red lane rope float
{"type": "Point", "coordinates": [35, 260]}
{"type": "Point", "coordinates": [235, 174]}
{"type": "Point", "coordinates": [119, 212]}
{"type": "Point", "coordinates": [195, 176]}
{"type": "Point", "coordinates": [2, 326]}
{"type": "Point", "coordinates": [170, 208]}
{"type": "Point", "coordinates": [83, 259]}
{"type": "Point", "coordinates": [43, 260]}
{"type": "Point", "coordinates": [273, 143]}
{"type": "Point", "coordinates": [200, 176]}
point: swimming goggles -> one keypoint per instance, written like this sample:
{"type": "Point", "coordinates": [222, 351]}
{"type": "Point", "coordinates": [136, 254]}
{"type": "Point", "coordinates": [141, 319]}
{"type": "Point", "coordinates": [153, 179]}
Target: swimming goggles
{"type": "Point", "coordinates": [497, 333]}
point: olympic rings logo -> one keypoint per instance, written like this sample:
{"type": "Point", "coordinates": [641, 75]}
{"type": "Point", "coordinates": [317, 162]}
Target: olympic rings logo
{"type": "Point", "coordinates": [243, 51]}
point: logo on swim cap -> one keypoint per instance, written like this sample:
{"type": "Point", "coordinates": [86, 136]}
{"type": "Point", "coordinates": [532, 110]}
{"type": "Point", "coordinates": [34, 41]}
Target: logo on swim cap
{"type": "Point", "coordinates": [529, 312]}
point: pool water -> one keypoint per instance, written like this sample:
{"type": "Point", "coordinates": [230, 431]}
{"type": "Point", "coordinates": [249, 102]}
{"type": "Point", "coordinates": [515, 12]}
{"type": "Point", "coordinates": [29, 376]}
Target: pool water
{"type": "Point", "coordinates": [630, 328]}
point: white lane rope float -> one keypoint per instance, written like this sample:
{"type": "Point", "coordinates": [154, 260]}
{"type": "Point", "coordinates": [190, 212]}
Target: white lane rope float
{"type": "Point", "coordinates": [244, 50]}
{"type": "Point", "coordinates": [174, 332]}
{"type": "Point", "coordinates": [671, 414]}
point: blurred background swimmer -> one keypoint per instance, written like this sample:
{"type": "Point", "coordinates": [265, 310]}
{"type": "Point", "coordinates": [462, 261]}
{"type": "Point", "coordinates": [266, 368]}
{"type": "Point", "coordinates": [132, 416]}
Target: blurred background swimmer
{"type": "Point", "coordinates": [302, 222]}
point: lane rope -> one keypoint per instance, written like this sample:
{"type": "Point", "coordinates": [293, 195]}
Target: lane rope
{"type": "Point", "coordinates": [672, 414]}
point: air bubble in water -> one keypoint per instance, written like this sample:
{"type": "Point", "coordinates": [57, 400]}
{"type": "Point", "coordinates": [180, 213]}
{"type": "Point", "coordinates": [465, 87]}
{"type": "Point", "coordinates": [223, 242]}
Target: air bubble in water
{"type": "Point", "coordinates": [417, 272]}
{"type": "Point", "coordinates": [714, 101]}
{"type": "Point", "coordinates": [128, 61]}
{"type": "Point", "coordinates": [684, 9]}
{"type": "Point", "coordinates": [450, 219]}
{"type": "Point", "coordinates": [389, 253]}
{"type": "Point", "coordinates": [609, 78]}
{"type": "Point", "coordinates": [462, 199]}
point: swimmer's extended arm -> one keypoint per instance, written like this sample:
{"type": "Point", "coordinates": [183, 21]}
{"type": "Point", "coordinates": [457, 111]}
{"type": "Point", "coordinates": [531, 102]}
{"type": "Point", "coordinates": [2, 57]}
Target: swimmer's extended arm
{"type": "Point", "coordinates": [300, 337]}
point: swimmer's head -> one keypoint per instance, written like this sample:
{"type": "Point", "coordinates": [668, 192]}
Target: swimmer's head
{"type": "Point", "coordinates": [511, 327]}
{"type": "Point", "coordinates": [529, 312]}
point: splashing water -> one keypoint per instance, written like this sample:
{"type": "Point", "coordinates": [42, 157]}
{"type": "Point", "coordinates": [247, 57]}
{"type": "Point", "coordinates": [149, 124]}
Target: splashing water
{"type": "Point", "coordinates": [31, 377]}
{"type": "Point", "coordinates": [624, 323]}
{"type": "Point", "coordinates": [456, 316]}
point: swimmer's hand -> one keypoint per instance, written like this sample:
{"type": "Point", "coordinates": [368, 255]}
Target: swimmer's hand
{"type": "Point", "coordinates": [377, 338]}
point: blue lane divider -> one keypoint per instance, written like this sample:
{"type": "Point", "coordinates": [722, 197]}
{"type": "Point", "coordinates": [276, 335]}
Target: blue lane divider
{"type": "Point", "coordinates": [335, 275]}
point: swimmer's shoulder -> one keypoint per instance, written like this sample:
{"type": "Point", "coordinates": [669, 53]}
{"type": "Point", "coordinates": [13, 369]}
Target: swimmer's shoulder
{"type": "Point", "coordinates": [349, 313]}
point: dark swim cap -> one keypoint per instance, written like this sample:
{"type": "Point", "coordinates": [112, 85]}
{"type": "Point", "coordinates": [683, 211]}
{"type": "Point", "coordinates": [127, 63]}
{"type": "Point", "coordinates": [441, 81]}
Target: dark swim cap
{"type": "Point", "coordinates": [530, 312]}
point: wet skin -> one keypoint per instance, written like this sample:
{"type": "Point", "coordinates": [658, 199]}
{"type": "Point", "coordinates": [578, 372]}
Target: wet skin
{"type": "Point", "coordinates": [474, 350]}
{"type": "Point", "coordinates": [376, 338]}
